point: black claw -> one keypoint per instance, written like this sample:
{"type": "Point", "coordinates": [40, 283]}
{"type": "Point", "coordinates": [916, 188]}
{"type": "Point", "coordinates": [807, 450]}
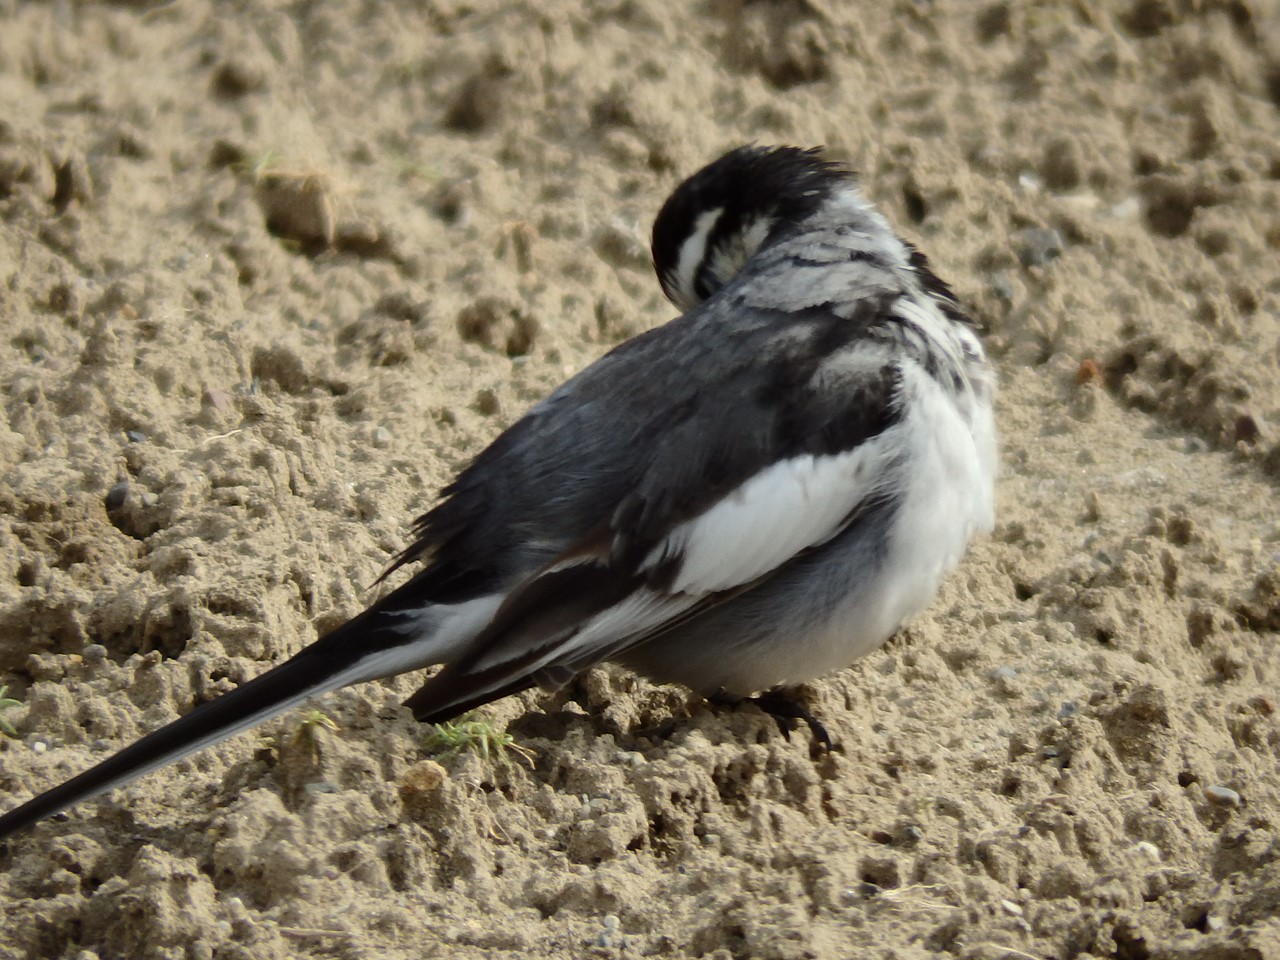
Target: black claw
{"type": "Point", "coordinates": [784, 708]}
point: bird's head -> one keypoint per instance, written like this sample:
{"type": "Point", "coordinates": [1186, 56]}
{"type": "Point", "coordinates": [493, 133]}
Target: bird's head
{"type": "Point", "coordinates": [716, 220]}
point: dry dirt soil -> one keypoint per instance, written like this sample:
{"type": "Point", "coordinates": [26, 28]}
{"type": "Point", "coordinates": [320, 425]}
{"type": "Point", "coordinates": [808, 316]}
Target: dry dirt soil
{"type": "Point", "coordinates": [271, 272]}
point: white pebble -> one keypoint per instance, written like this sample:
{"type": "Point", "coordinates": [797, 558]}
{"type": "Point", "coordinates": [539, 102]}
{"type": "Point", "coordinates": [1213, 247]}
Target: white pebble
{"type": "Point", "coordinates": [1222, 795]}
{"type": "Point", "coordinates": [1149, 850]}
{"type": "Point", "coordinates": [1126, 209]}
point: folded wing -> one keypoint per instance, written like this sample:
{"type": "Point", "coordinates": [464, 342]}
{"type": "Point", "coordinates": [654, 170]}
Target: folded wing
{"type": "Point", "coordinates": [689, 535]}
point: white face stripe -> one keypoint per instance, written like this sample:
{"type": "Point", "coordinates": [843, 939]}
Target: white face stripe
{"type": "Point", "coordinates": [692, 251]}
{"type": "Point", "coordinates": [730, 257]}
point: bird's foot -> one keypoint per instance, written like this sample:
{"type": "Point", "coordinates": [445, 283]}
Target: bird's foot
{"type": "Point", "coordinates": [784, 708]}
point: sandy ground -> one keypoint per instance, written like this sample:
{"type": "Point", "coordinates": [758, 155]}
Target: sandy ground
{"type": "Point", "coordinates": [269, 273]}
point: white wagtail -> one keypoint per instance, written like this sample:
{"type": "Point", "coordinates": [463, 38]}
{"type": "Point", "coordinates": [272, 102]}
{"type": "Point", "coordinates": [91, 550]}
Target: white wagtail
{"type": "Point", "coordinates": [751, 496]}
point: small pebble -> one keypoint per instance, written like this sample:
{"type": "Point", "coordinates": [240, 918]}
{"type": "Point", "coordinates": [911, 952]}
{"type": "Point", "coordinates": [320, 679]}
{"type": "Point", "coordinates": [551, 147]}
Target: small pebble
{"type": "Point", "coordinates": [1264, 705]}
{"type": "Point", "coordinates": [1002, 673]}
{"type": "Point", "coordinates": [1126, 209]}
{"type": "Point", "coordinates": [381, 436]}
{"type": "Point", "coordinates": [1088, 372]}
{"type": "Point", "coordinates": [1030, 182]}
{"type": "Point", "coordinates": [1011, 908]}
{"type": "Point", "coordinates": [1038, 245]}
{"type": "Point", "coordinates": [1222, 795]}
{"type": "Point", "coordinates": [609, 939]}
{"type": "Point", "coordinates": [321, 786]}
{"type": "Point", "coordinates": [135, 436]}
{"type": "Point", "coordinates": [1002, 286]}
{"type": "Point", "coordinates": [1067, 710]}
{"type": "Point", "coordinates": [1149, 850]}
{"type": "Point", "coordinates": [220, 400]}
{"type": "Point", "coordinates": [116, 495]}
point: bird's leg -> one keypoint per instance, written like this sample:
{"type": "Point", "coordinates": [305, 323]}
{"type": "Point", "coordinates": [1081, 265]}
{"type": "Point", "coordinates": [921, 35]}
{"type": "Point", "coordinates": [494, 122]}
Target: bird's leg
{"type": "Point", "coordinates": [783, 707]}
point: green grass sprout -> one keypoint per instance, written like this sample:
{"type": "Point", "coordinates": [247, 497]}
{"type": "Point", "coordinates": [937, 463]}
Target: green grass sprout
{"type": "Point", "coordinates": [478, 736]}
{"type": "Point", "coordinates": [7, 703]}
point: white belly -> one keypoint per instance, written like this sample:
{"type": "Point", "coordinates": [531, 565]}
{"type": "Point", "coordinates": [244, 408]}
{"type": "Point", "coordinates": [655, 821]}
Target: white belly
{"type": "Point", "coordinates": [844, 599]}
{"type": "Point", "coordinates": [948, 497]}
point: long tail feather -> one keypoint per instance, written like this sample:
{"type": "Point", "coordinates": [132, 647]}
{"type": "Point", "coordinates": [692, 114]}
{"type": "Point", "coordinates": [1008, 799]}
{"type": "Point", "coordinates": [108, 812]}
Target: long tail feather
{"type": "Point", "coordinates": [374, 644]}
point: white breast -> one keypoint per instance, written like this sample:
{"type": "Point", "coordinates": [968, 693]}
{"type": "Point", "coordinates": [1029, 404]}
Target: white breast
{"type": "Point", "coordinates": [948, 496]}
{"type": "Point", "coordinates": [844, 599]}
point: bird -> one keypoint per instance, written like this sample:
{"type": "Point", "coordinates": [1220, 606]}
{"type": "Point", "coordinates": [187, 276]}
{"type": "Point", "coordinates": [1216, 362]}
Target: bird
{"type": "Point", "coordinates": [746, 498]}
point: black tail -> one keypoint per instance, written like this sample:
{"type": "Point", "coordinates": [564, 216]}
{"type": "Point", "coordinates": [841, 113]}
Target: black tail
{"type": "Point", "coordinates": [347, 655]}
